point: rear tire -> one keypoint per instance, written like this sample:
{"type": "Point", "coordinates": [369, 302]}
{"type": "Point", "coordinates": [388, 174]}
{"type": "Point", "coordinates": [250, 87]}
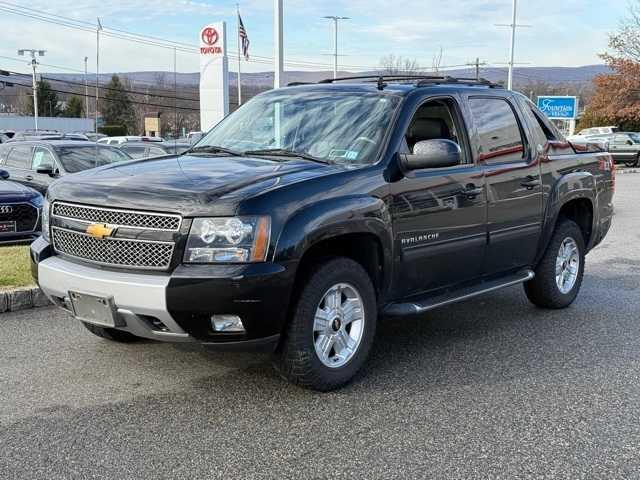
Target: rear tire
{"type": "Point", "coordinates": [559, 275]}
{"type": "Point", "coordinates": [330, 335]}
{"type": "Point", "coordinates": [111, 334]}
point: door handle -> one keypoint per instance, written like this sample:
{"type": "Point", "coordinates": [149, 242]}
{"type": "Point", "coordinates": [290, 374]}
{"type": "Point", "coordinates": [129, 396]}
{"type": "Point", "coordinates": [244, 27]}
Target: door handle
{"type": "Point", "coordinates": [471, 191]}
{"type": "Point", "coordinates": [29, 177]}
{"type": "Point", "coordinates": [531, 183]}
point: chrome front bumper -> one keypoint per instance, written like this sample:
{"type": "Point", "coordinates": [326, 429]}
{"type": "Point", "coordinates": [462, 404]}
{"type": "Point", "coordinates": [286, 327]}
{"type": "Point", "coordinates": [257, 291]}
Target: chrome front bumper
{"type": "Point", "coordinates": [140, 300]}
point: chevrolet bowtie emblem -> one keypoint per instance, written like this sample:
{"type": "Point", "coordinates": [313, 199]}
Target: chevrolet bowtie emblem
{"type": "Point", "coordinates": [99, 231]}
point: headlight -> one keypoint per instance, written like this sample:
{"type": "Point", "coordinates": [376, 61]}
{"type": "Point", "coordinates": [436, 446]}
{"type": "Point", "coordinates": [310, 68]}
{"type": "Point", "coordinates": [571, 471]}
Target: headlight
{"type": "Point", "coordinates": [228, 240]}
{"type": "Point", "coordinates": [45, 220]}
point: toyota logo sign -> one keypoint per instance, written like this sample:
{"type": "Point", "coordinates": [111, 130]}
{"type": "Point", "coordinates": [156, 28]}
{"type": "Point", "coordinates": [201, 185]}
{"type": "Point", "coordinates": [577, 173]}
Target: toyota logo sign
{"type": "Point", "coordinates": [210, 36]}
{"type": "Point", "coordinates": [5, 209]}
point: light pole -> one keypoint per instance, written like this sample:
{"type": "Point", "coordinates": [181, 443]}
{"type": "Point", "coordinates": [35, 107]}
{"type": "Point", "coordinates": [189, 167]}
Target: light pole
{"type": "Point", "coordinates": [34, 65]}
{"type": "Point", "coordinates": [278, 44]}
{"type": "Point", "coordinates": [98, 29]}
{"type": "Point", "coordinates": [512, 48]}
{"type": "Point", "coordinates": [86, 90]}
{"type": "Point", "coordinates": [335, 44]}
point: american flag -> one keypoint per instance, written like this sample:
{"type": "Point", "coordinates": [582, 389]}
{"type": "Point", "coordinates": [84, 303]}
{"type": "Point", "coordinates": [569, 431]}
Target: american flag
{"type": "Point", "coordinates": [244, 38]}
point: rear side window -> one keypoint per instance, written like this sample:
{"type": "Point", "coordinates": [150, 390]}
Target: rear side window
{"type": "Point", "coordinates": [498, 130]}
{"type": "Point", "coordinates": [19, 157]}
{"type": "Point", "coordinates": [156, 152]}
{"type": "Point", "coordinates": [135, 152]}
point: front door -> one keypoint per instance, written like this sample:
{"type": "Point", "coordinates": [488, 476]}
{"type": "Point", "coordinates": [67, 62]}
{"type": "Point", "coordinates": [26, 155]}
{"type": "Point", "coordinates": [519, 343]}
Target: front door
{"type": "Point", "coordinates": [514, 186]}
{"type": "Point", "coordinates": [438, 214]}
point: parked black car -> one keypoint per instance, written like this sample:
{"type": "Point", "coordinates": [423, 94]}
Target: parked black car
{"type": "Point", "coordinates": [155, 149]}
{"type": "Point", "coordinates": [37, 164]}
{"type": "Point", "coordinates": [20, 209]}
{"type": "Point", "coordinates": [313, 210]}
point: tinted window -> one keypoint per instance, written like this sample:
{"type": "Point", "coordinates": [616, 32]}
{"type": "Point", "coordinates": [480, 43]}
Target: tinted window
{"type": "Point", "coordinates": [20, 157]}
{"type": "Point", "coordinates": [156, 151]}
{"type": "Point", "coordinates": [76, 159]}
{"type": "Point", "coordinates": [498, 129]}
{"type": "Point", "coordinates": [135, 152]}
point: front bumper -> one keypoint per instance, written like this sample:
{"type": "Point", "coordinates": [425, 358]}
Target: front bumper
{"type": "Point", "coordinates": [177, 307]}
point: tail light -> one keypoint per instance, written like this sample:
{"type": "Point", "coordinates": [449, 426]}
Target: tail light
{"type": "Point", "coordinates": [608, 165]}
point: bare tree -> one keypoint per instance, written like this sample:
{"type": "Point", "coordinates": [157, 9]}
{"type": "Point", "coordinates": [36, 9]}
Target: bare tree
{"type": "Point", "coordinates": [626, 41]}
{"type": "Point", "coordinates": [437, 61]}
{"type": "Point", "coordinates": [398, 65]}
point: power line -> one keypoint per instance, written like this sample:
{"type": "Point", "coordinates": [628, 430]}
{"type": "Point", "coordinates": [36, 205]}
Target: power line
{"type": "Point", "coordinates": [168, 107]}
{"type": "Point", "coordinates": [133, 92]}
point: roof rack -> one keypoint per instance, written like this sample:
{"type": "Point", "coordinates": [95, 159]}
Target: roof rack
{"type": "Point", "coordinates": [420, 80]}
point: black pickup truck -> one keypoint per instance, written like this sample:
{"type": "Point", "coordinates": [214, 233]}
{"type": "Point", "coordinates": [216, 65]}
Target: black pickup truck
{"type": "Point", "coordinates": [314, 210]}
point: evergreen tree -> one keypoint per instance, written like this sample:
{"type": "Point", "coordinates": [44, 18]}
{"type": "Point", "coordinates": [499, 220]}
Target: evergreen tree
{"type": "Point", "coordinates": [48, 103]}
{"type": "Point", "coordinates": [74, 108]}
{"type": "Point", "coordinates": [117, 108]}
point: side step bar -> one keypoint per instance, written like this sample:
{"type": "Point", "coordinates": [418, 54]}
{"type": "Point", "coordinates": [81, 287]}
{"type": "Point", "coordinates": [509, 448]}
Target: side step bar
{"type": "Point", "coordinates": [430, 303]}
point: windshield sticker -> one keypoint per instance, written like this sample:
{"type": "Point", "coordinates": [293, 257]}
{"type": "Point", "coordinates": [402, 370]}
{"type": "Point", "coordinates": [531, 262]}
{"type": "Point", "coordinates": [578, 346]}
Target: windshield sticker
{"type": "Point", "coordinates": [346, 154]}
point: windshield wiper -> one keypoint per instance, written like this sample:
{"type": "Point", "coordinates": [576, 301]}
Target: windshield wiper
{"type": "Point", "coordinates": [213, 149]}
{"type": "Point", "coordinates": [283, 152]}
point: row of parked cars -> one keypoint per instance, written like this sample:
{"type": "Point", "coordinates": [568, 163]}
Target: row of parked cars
{"type": "Point", "coordinates": [624, 147]}
{"type": "Point", "coordinates": [31, 161]}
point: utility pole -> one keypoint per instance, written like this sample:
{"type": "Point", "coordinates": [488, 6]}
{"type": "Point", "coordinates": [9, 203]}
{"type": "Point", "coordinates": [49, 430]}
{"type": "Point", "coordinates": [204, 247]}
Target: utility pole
{"type": "Point", "coordinates": [34, 65]}
{"type": "Point", "coordinates": [477, 64]}
{"type": "Point", "coordinates": [512, 50]}
{"type": "Point", "coordinates": [279, 48]}
{"type": "Point", "coordinates": [86, 89]}
{"type": "Point", "coordinates": [335, 43]}
{"type": "Point", "coordinates": [98, 29]}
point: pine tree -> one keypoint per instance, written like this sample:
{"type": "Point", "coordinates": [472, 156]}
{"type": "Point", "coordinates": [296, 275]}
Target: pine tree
{"type": "Point", "coordinates": [48, 103]}
{"type": "Point", "coordinates": [74, 108]}
{"type": "Point", "coordinates": [117, 108]}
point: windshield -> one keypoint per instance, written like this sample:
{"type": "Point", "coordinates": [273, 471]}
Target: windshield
{"type": "Point", "coordinates": [76, 159]}
{"type": "Point", "coordinates": [635, 137]}
{"type": "Point", "coordinates": [330, 126]}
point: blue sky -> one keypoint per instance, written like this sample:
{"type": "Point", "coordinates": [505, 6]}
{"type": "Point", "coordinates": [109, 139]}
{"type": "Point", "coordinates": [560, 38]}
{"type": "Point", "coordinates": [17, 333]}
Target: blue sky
{"type": "Point", "coordinates": [562, 33]}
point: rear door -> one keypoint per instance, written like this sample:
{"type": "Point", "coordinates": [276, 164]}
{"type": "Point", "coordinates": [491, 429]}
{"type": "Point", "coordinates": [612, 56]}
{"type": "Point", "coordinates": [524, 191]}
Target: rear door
{"type": "Point", "coordinates": [514, 189]}
{"type": "Point", "coordinates": [18, 163]}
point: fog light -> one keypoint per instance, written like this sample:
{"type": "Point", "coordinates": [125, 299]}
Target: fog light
{"type": "Point", "coordinates": [227, 324]}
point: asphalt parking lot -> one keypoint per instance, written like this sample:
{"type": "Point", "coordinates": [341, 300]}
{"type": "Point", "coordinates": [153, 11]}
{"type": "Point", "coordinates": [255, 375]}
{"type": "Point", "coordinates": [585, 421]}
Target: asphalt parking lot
{"type": "Point", "coordinates": [492, 388]}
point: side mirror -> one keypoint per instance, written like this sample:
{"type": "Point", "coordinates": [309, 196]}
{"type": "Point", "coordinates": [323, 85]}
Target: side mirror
{"type": "Point", "coordinates": [437, 153]}
{"type": "Point", "coordinates": [629, 142]}
{"type": "Point", "coordinates": [46, 170]}
{"type": "Point", "coordinates": [4, 175]}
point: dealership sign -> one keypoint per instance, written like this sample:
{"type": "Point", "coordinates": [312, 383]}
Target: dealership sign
{"type": "Point", "coordinates": [214, 75]}
{"type": "Point", "coordinates": [559, 108]}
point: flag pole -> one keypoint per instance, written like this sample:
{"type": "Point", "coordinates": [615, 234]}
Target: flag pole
{"type": "Point", "coordinates": [239, 58]}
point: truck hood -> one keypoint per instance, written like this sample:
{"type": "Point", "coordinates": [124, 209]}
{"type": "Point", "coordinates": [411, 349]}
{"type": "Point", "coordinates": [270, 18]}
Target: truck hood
{"type": "Point", "coordinates": [188, 184]}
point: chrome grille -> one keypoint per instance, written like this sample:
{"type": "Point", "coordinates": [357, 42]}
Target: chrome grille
{"type": "Point", "coordinates": [121, 218]}
{"type": "Point", "coordinates": [113, 251]}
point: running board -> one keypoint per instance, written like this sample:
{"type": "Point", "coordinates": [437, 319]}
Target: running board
{"type": "Point", "coordinates": [421, 306]}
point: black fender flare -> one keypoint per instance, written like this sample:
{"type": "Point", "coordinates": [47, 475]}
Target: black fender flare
{"type": "Point", "coordinates": [334, 218]}
{"type": "Point", "coordinates": [571, 186]}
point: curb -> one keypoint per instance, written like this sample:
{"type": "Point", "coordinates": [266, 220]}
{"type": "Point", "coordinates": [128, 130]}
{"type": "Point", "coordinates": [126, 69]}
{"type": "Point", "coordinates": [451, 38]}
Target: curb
{"type": "Point", "coordinates": [22, 299]}
{"type": "Point", "coordinates": [627, 170]}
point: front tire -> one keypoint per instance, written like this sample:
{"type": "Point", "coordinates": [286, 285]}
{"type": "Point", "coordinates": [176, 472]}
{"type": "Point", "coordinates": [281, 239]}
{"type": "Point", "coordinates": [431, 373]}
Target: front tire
{"type": "Point", "coordinates": [111, 334]}
{"type": "Point", "coordinates": [633, 163]}
{"type": "Point", "coordinates": [332, 329]}
{"type": "Point", "coordinates": [559, 275]}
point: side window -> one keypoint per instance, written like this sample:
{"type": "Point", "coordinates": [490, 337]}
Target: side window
{"type": "Point", "coordinates": [42, 158]}
{"type": "Point", "coordinates": [540, 124]}
{"type": "Point", "coordinates": [156, 152]}
{"type": "Point", "coordinates": [135, 152]}
{"type": "Point", "coordinates": [3, 154]}
{"type": "Point", "coordinates": [436, 119]}
{"type": "Point", "coordinates": [20, 157]}
{"type": "Point", "coordinates": [498, 130]}
{"type": "Point", "coordinates": [620, 139]}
